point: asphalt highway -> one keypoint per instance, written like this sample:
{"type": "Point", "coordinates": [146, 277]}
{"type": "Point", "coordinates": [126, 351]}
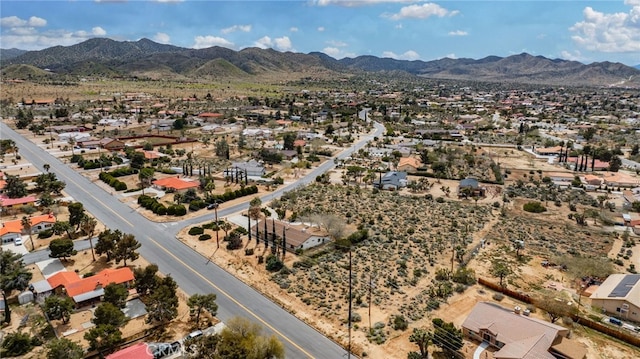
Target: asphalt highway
{"type": "Point", "coordinates": [190, 269]}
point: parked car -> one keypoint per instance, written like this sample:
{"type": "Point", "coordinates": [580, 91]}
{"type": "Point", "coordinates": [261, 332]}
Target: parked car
{"type": "Point", "coordinates": [615, 321]}
{"type": "Point", "coordinates": [195, 334]}
{"type": "Point", "coordinates": [18, 241]}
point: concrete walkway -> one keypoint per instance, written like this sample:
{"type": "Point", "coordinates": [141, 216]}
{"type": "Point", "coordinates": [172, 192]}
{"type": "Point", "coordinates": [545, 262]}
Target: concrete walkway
{"type": "Point", "coordinates": [480, 349]}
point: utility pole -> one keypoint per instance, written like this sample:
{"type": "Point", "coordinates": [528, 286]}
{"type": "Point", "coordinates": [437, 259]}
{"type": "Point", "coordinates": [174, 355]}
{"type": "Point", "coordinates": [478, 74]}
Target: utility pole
{"type": "Point", "coordinates": [349, 345]}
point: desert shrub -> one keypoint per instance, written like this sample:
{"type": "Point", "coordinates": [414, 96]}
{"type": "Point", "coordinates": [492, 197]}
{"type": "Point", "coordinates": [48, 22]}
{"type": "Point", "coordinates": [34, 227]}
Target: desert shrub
{"type": "Point", "coordinates": [195, 231]}
{"type": "Point", "coordinates": [45, 234]}
{"type": "Point", "coordinates": [248, 252]}
{"type": "Point", "coordinates": [204, 237]}
{"type": "Point", "coordinates": [273, 264]}
{"type": "Point", "coordinates": [498, 297]}
{"type": "Point", "coordinates": [399, 322]}
{"type": "Point", "coordinates": [181, 210]}
{"type": "Point", "coordinates": [16, 344]}
{"type": "Point", "coordinates": [235, 242]}
{"type": "Point", "coordinates": [534, 207]}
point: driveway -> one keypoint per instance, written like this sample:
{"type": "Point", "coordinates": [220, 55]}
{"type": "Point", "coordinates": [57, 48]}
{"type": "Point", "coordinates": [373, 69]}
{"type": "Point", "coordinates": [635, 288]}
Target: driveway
{"type": "Point", "coordinates": [11, 247]}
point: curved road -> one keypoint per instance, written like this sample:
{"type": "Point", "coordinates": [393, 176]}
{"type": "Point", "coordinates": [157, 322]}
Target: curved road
{"type": "Point", "coordinates": [190, 269]}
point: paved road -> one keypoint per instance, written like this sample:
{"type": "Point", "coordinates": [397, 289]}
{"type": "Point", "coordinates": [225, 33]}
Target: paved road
{"type": "Point", "coordinates": [191, 270]}
{"type": "Point", "coordinates": [43, 253]}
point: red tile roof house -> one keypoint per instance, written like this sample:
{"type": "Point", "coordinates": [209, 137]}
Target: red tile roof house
{"type": "Point", "coordinates": [516, 336]}
{"type": "Point", "coordinates": [11, 230]}
{"type": "Point", "coordinates": [175, 184]}
{"type": "Point", "coordinates": [136, 351]}
{"type": "Point", "coordinates": [85, 291]}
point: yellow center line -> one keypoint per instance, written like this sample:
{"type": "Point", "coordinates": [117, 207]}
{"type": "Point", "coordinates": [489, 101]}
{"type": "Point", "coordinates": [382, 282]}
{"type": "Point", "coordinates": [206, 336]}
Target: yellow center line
{"type": "Point", "coordinates": [230, 297]}
{"type": "Point", "coordinates": [87, 192]}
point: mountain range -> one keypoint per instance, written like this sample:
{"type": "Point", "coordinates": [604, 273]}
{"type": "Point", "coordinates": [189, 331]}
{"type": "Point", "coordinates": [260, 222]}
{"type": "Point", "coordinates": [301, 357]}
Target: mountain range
{"type": "Point", "coordinates": [147, 59]}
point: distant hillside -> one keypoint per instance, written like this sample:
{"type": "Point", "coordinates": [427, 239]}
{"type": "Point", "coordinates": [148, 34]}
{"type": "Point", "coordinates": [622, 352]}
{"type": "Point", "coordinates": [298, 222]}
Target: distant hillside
{"type": "Point", "coordinates": [637, 66]}
{"type": "Point", "coordinates": [145, 58]}
{"type": "Point", "coordinates": [6, 54]}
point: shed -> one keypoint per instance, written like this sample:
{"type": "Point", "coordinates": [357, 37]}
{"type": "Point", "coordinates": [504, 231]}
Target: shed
{"type": "Point", "coordinates": [25, 297]}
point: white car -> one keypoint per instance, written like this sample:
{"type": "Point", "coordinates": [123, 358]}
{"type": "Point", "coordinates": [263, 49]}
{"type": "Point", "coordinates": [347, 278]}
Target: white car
{"type": "Point", "coordinates": [18, 241]}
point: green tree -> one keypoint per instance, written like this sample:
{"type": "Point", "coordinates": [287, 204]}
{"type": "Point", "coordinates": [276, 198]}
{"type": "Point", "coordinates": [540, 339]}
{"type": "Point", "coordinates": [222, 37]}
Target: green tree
{"type": "Point", "coordinates": [103, 337]}
{"type": "Point", "coordinates": [49, 183]}
{"type": "Point", "coordinates": [88, 226]}
{"type": "Point", "coordinates": [107, 240]}
{"type": "Point", "coordinates": [288, 139]}
{"type": "Point", "coordinates": [614, 164]}
{"type": "Point", "coordinates": [76, 213]}
{"type": "Point", "coordinates": [500, 270]}
{"type": "Point", "coordinates": [13, 276]}
{"type": "Point", "coordinates": [198, 302]}
{"type": "Point", "coordinates": [126, 249]}
{"type": "Point", "coordinates": [61, 248]}
{"type": "Point", "coordinates": [137, 160]}
{"type": "Point", "coordinates": [16, 344]}
{"type": "Point", "coordinates": [116, 294]}
{"type": "Point", "coordinates": [422, 338]}
{"type": "Point", "coordinates": [56, 307]}
{"type": "Point", "coordinates": [202, 347]}
{"type": "Point", "coordinates": [446, 336]}
{"type": "Point", "coordinates": [64, 348]}
{"type": "Point", "coordinates": [163, 302]}
{"type": "Point", "coordinates": [635, 206]}
{"type": "Point", "coordinates": [242, 338]}
{"type": "Point", "coordinates": [14, 187]}
{"type": "Point", "coordinates": [146, 279]}
{"type": "Point", "coordinates": [145, 175]}
{"type": "Point", "coordinates": [108, 314]}
{"type": "Point", "coordinates": [61, 227]}
{"type": "Point", "coordinates": [222, 149]}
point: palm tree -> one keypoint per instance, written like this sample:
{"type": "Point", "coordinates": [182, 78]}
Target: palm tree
{"type": "Point", "coordinates": [88, 225]}
{"type": "Point", "coordinates": [26, 225]}
{"type": "Point", "coordinates": [46, 167]}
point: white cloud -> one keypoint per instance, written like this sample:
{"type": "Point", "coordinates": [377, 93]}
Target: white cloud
{"type": "Point", "coordinates": [234, 28]}
{"type": "Point", "coordinates": [283, 43]}
{"type": "Point", "coordinates": [354, 3]}
{"type": "Point", "coordinates": [572, 56]}
{"type": "Point", "coordinates": [602, 32]}
{"type": "Point", "coordinates": [423, 11]}
{"type": "Point", "coordinates": [293, 29]}
{"type": "Point", "coordinates": [332, 51]}
{"type": "Point", "coordinates": [337, 43]}
{"type": "Point", "coordinates": [162, 38]}
{"type": "Point", "coordinates": [337, 53]}
{"type": "Point", "coordinates": [279, 43]}
{"type": "Point", "coordinates": [399, 26]}
{"type": "Point", "coordinates": [264, 42]}
{"type": "Point", "coordinates": [458, 33]}
{"type": "Point", "coordinates": [321, 28]}
{"type": "Point", "coordinates": [202, 42]}
{"type": "Point", "coordinates": [98, 31]}
{"type": "Point", "coordinates": [14, 21]}
{"type": "Point", "coordinates": [450, 56]}
{"type": "Point", "coordinates": [409, 55]}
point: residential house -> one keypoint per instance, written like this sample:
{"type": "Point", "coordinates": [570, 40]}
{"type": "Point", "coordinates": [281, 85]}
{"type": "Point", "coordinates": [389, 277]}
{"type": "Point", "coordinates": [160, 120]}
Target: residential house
{"type": "Point", "coordinates": [107, 143]}
{"type": "Point", "coordinates": [6, 202]}
{"type": "Point", "coordinates": [470, 187]}
{"type": "Point", "coordinates": [88, 290]}
{"type": "Point", "coordinates": [516, 336]}
{"type": "Point", "coordinates": [549, 151]}
{"type": "Point", "coordinates": [175, 184]}
{"type": "Point", "coordinates": [620, 179]}
{"type": "Point", "coordinates": [619, 295]}
{"type": "Point", "coordinates": [408, 164]}
{"type": "Point", "coordinates": [392, 180]}
{"type": "Point", "coordinates": [297, 236]}
{"type": "Point", "coordinates": [10, 231]}
{"type": "Point", "coordinates": [252, 168]}
{"type": "Point", "coordinates": [593, 165]}
{"type": "Point", "coordinates": [136, 351]}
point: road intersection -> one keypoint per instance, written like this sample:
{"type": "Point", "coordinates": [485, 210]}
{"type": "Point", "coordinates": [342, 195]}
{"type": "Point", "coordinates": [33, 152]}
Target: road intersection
{"type": "Point", "coordinates": [191, 270]}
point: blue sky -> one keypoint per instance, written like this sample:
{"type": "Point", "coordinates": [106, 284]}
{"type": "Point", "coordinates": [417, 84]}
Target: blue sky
{"type": "Point", "coordinates": [582, 30]}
